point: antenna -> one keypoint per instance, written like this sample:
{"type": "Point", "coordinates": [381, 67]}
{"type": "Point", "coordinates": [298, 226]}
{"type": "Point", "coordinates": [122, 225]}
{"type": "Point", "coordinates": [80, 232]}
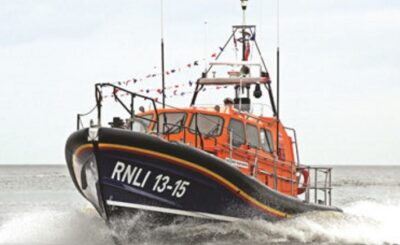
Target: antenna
{"type": "Point", "coordinates": [277, 80]}
{"type": "Point", "coordinates": [162, 55]}
{"type": "Point", "coordinates": [244, 7]}
{"type": "Point", "coordinates": [205, 45]}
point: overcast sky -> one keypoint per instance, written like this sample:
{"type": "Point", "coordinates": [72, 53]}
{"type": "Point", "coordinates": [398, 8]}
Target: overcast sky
{"type": "Point", "coordinates": [340, 67]}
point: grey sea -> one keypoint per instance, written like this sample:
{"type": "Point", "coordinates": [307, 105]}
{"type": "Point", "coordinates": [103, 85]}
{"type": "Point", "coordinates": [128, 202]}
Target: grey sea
{"type": "Point", "coordinates": [39, 205]}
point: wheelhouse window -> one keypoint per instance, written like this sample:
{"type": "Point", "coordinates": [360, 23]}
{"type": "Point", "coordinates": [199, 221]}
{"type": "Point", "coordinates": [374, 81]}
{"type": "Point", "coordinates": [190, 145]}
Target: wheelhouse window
{"type": "Point", "coordinates": [142, 123]}
{"type": "Point", "coordinates": [252, 136]}
{"type": "Point", "coordinates": [266, 141]}
{"type": "Point", "coordinates": [171, 122]}
{"type": "Point", "coordinates": [208, 125]}
{"type": "Point", "coordinates": [238, 135]}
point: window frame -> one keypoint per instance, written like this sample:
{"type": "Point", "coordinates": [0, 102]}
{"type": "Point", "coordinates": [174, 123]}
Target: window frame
{"type": "Point", "coordinates": [161, 117]}
{"type": "Point", "coordinates": [206, 114]}
{"type": "Point", "coordinates": [147, 121]}
{"type": "Point", "coordinates": [244, 131]}
{"type": "Point", "coordinates": [248, 138]}
{"type": "Point", "coordinates": [267, 140]}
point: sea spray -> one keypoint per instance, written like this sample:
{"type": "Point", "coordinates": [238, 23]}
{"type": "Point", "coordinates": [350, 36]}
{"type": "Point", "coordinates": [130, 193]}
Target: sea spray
{"type": "Point", "coordinates": [54, 227]}
{"type": "Point", "coordinates": [362, 222]}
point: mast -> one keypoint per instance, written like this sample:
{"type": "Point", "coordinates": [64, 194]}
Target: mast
{"type": "Point", "coordinates": [162, 56]}
{"type": "Point", "coordinates": [244, 7]}
{"type": "Point", "coordinates": [277, 80]}
{"type": "Point", "coordinates": [277, 101]}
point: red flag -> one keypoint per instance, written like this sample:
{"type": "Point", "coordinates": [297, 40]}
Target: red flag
{"type": "Point", "coordinates": [189, 65]}
{"type": "Point", "coordinates": [214, 55]}
{"type": "Point", "coordinates": [247, 51]}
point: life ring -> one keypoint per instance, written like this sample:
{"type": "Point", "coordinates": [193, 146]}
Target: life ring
{"type": "Point", "coordinates": [303, 186]}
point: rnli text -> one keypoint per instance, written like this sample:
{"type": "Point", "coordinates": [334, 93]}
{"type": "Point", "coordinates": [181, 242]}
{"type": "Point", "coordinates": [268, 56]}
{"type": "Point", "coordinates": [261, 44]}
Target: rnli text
{"type": "Point", "coordinates": [131, 175]}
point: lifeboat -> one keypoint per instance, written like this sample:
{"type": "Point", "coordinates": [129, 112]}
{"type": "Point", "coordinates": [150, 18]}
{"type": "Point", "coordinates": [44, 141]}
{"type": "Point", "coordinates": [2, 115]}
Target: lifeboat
{"type": "Point", "coordinates": [221, 162]}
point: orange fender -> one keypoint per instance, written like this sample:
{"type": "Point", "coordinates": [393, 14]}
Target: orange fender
{"type": "Point", "coordinates": [302, 188]}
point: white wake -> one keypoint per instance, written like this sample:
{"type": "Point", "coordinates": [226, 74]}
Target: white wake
{"type": "Point", "coordinates": [363, 222]}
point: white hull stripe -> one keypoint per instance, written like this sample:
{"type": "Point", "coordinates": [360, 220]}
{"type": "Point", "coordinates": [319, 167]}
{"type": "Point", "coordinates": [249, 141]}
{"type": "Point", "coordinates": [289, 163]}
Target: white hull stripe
{"type": "Point", "coordinates": [173, 211]}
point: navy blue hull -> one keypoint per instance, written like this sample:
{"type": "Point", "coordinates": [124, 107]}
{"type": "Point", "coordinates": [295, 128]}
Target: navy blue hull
{"type": "Point", "coordinates": [201, 194]}
{"type": "Point", "coordinates": [123, 170]}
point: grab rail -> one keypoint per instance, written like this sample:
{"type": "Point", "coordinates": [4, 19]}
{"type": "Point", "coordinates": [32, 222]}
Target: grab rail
{"type": "Point", "coordinates": [317, 186]}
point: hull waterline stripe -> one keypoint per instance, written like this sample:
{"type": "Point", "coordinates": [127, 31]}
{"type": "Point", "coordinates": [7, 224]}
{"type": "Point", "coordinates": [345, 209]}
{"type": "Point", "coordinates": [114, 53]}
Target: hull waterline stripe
{"type": "Point", "coordinates": [200, 215]}
{"type": "Point", "coordinates": [194, 166]}
{"type": "Point", "coordinates": [82, 149]}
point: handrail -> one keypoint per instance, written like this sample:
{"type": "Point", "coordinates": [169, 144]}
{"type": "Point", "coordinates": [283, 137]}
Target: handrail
{"type": "Point", "coordinates": [295, 144]}
{"type": "Point", "coordinates": [314, 186]}
{"type": "Point", "coordinates": [253, 154]}
{"type": "Point", "coordinates": [80, 115]}
{"type": "Point", "coordinates": [278, 176]}
{"type": "Point", "coordinates": [99, 98]}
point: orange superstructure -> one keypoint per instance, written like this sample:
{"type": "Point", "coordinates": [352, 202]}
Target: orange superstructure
{"type": "Point", "coordinates": [246, 141]}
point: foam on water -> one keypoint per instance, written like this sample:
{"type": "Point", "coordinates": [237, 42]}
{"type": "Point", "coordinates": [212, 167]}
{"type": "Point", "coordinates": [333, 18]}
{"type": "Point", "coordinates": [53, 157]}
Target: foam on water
{"type": "Point", "coordinates": [54, 227]}
{"type": "Point", "coordinates": [363, 222]}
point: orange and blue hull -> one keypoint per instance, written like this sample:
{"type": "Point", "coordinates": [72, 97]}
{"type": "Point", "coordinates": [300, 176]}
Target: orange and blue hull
{"type": "Point", "coordinates": [122, 170]}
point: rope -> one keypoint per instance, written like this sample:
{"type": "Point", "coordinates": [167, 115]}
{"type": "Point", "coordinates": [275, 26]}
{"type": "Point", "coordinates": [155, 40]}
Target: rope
{"type": "Point", "coordinates": [87, 113]}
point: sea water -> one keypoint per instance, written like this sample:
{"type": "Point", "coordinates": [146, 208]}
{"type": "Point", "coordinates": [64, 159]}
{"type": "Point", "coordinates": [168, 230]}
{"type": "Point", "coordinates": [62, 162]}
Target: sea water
{"type": "Point", "coordinates": [39, 205]}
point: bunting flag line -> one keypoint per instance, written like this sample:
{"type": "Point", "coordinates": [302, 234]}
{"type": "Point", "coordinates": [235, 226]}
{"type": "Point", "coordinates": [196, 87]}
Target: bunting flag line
{"type": "Point", "coordinates": [175, 91]}
{"type": "Point", "coordinates": [153, 75]}
{"type": "Point", "coordinates": [179, 69]}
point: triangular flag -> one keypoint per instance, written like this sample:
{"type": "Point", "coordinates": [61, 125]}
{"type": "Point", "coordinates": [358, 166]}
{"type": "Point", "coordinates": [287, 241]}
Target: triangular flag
{"type": "Point", "coordinates": [253, 37]}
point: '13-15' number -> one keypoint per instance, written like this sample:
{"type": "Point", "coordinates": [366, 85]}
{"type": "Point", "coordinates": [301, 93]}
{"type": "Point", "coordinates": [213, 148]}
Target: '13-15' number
{"type": "Point", "coordinates": [161, 185]}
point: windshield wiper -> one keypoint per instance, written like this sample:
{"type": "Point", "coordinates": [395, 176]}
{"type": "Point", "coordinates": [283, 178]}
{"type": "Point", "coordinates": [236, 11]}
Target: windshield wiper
{"type": "Point", "coordinates": [213, 131]}
{"type": "Point", "coordinates": [177, 125]}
